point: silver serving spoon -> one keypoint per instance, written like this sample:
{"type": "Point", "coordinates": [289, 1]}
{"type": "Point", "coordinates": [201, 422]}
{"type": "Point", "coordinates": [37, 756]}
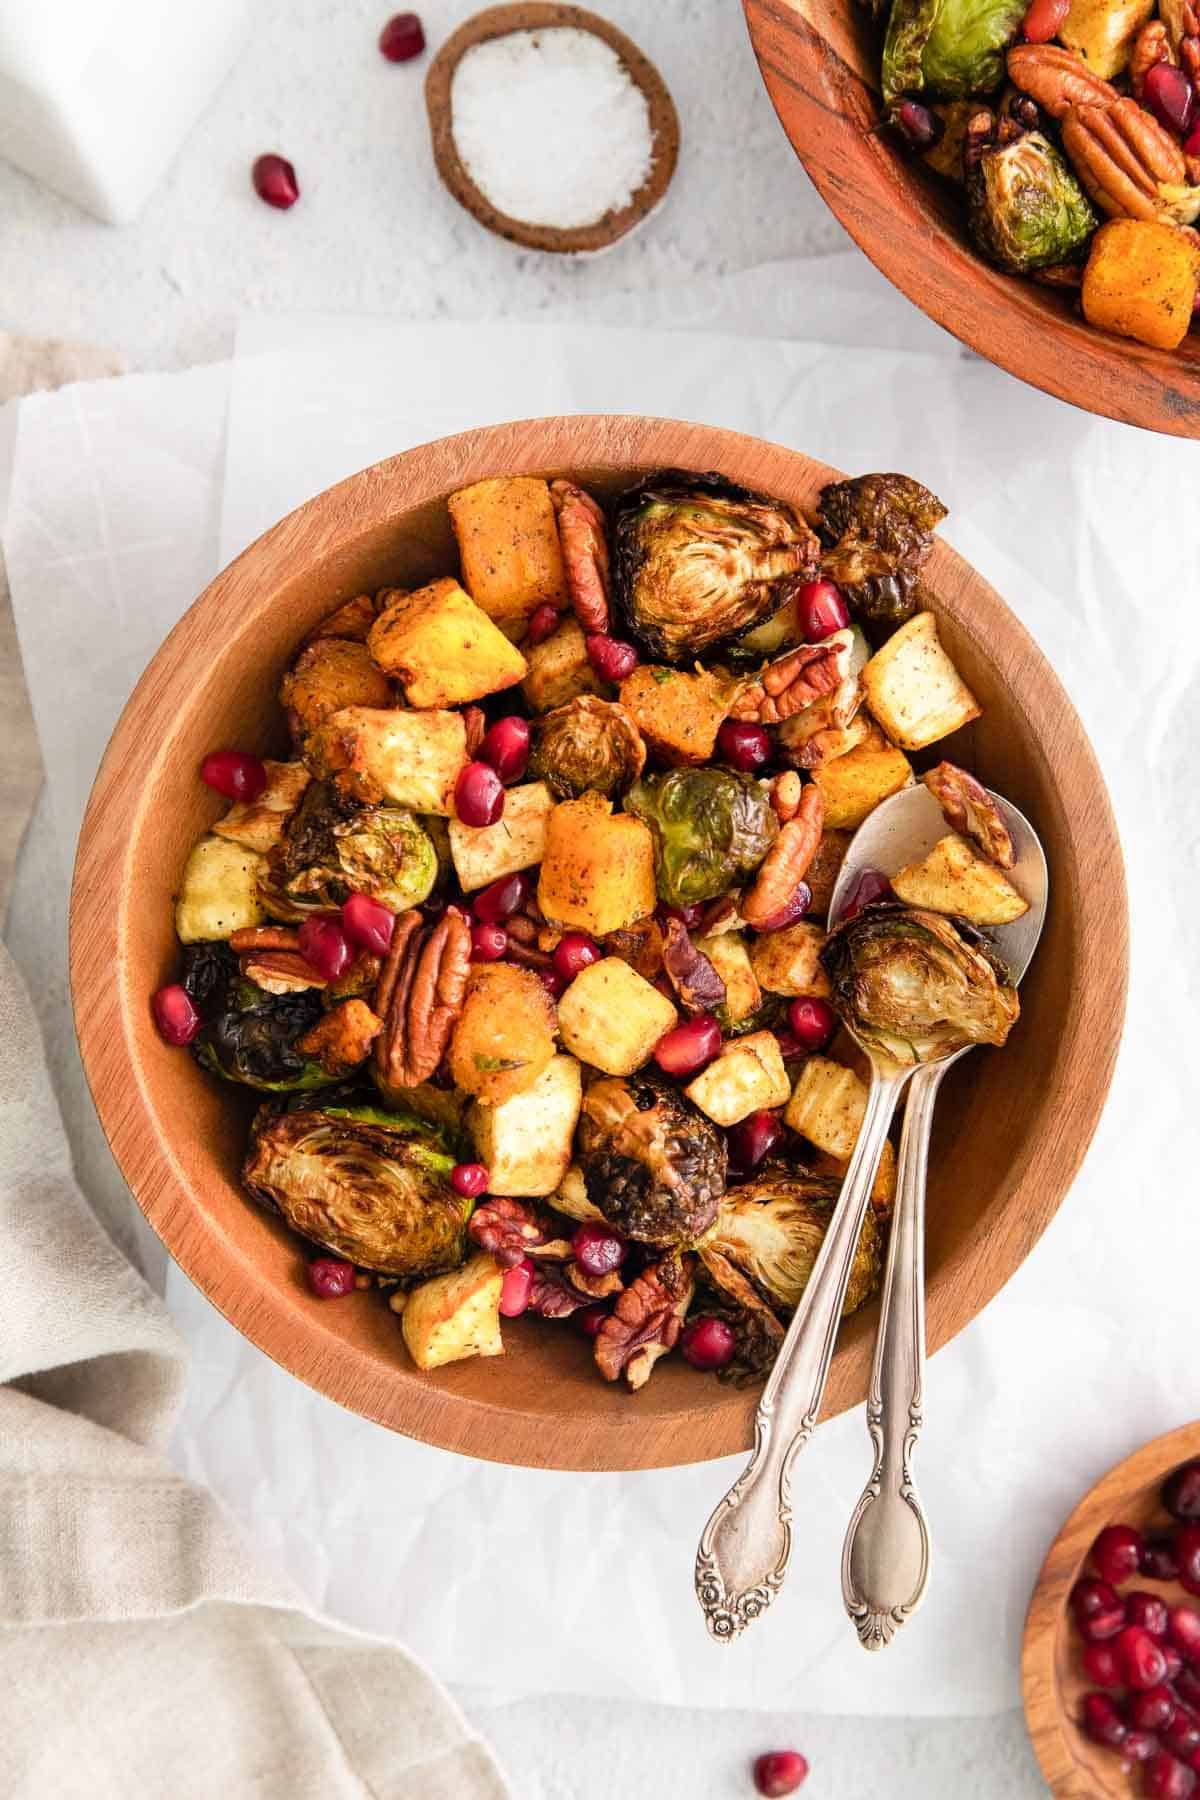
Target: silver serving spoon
{"type": "Point", "coordinates": [745, 1546]}
{"type": "Point", "coordinates": [886, 1556]}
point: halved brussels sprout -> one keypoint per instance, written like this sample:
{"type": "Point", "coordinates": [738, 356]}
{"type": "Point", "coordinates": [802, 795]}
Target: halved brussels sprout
{"type": "Point", "coordinates": [700, 561]}
{"type": "Point", "coordinates": [332, 850]}
{"type": "Point", "coordinates": [771, 1230]}
{"type": "Point", "coordinates": [879, 531]}
{"type": "Point", "coordinates": [250, 1037]}
{"type": "Point", "coordinates": [651, 1162]}
{"type": "Point", "coordinates": [1025, 208]}
{"type": "Point", "coordinates": [948, 48]}
{"type": "Point", "coordinates": [588, 743]}
{"type": "Point", "coordinates": [711, 828]}
{"type": "Point", "coordinates": [916, 986]}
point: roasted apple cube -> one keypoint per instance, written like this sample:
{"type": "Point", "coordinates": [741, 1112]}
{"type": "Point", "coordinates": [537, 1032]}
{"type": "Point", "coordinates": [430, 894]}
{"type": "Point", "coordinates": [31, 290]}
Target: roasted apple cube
{"type": "Point", "coordinates": [219, 891]}
{"type": "Point", "coordinates": [748, 1076]}
{"type": "Point", "coordinates": [789, 961]}
{"type": "Point", "coordinates": [410, 758]}
{"type": "Point", "coordinates": [443, 648]}
{"type": "Point", "coordinates": [455, 1315]}
{"type": "Point", "coordinates": [526, 1142]}
{"type": "Point", "coordinates": [727, 952]}
{"type": "Point", "coordinates": [258, 824]}
{"type": "Point", "coordinates": [612, 1017]}
{"type": "Point", "coordinates": [953, 878]}
{"type": "Point", "coordinates": [559, 669]}
{"type": "Point", "coordinates": [913, 688]}
{"type": "Point", "coordinates": [827, 1106]}
{"type": "Point", "coordinates": [483, 853]}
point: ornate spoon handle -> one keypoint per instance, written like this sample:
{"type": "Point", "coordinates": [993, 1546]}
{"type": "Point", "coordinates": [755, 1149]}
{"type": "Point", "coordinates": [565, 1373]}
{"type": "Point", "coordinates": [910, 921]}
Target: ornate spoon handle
{"type": "Point", "coordinates": [745, 1546]}
{"type": "Point", "coordinates": [885, 1559]}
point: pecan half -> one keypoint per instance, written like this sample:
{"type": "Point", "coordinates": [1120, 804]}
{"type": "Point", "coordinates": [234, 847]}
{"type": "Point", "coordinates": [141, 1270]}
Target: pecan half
{"type": "Point", "coordinates": [551, 1295]}
{"type": "Point", "coordinates": [475, 724]}
{"type": "Point", "coordinates": [1057, 79]}
{"type": "Point", "coordinates": [508, 1229]}
{"type": "Point", "coordinates": [786, 790]}
{"type": "Point", "coordinates": [342, 1037]}
{"type": "Point", "coordinates": [280, 971]}
{"type": "Point", "coordinates": [696, 982]}
{"type": "Point", "coordinates": [1181, 19]}
{"type": "Point", "coordinates": [794, 682]}
{"type": "Point", "coordinates": [596, 1287]}
{"type": "Point", "coordinates": [1125, 160]}
{"type": "Point", "coordinates": [970, 809]}
{"type": "Point", "coordinates": [646, 1321]}
{"type": "Point", "coordinates": [420, 995]}
{"type": "Point", "coordinates": [787, 861]}
{"type": "Point", "coordinates": [264, 937]}
{"type": "Point", "coordinates": [584, 540]}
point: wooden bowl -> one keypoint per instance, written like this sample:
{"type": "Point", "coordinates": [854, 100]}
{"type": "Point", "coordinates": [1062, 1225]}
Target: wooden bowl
{"type": "Point", "coordinates": [602, 233]}
{"type": "Point", "coordinates": [1011, 1129]}
{"type": "Point", "coordinates": [821, 67]}
{"type": "Point", "coordinates": [1052, 1676]}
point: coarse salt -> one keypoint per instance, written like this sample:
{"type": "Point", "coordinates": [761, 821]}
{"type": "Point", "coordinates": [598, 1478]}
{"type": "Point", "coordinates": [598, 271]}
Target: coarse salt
{"type": "Point", "coordinates": [550, 126]}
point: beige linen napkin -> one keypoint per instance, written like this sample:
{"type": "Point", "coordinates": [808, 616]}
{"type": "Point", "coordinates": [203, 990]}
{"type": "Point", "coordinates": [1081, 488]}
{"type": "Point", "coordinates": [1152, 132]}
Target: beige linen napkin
{"type": "Point", "coordinates": [143, 1651]}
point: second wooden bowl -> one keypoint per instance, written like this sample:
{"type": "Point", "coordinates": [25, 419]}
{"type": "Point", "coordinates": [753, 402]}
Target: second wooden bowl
{"type": "Point", "coordinates": [1011, 1129]}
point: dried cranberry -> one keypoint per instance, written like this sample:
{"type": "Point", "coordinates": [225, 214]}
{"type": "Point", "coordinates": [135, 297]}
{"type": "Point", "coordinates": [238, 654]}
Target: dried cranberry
{"type": "Point", "coordinates": [597, 1250]}
{"type": "Point", "coordinates": [235, 774]}
{"type": "Point", "coordinates": [1166, 1779]}
{"type": "Point", "coordinates": [1183, 1629]}
{"type": "Point", "coordinates": [687, 1048]}
{"type": "Point", "coordinates": [1100, 1665]}
{"type": "Point", "coordinates": [1148, 1611]}
{"type": "Point", "coordinates": [868, 886]}
{"type": "Point", "coordinates": [402, 38]}
{"type": "Point", "coordinates": [1141, 1660]}
{"type": "Point", "coordinates": [324, 945]}
{"type": "Point", "coordinates": [1158, 1560]}
{"type": "Point", "coordinates": [611, 659]}
{"type": "Point", "coordinates": [275, 181]}
{"type": "Point", "coordinates": [488, 942]}
{"type": "Point", "coordinates": [469, 1179]}
{"type": "Point", "coordinates": [1100, 1720]}
{"type": "Point", "coordinates": [813, 1023]}
{"type": "Point", "coordinates": [1168, 93]}
{"type": "Point", "coordinates": [574, 953]}
{"type": "Point", "coordinates": [501, 899]}
{"type": "Point", "coordinates": [1116, 1553]}
{"type": "Point", "coordinates": [1043, 20]}
{"type": "Point", "coordinates": [505, 748]}
{"type": "Point", "coordinates": [710, 1344]}
{"type": "Point", "coordinates": [1151, 1710]}
{"type": "Point", "coordinates": [479, 795]}
{"type": "Point", "coordinates": [175, 1014]}
{"type": "Point", "coordinates": [820, 608]}
{"type": "Point", "coordinates": [750, 1140]}
{"type": "Point", "coordinates": [1181, 1491]}
{"type": "Point", "coordinates": [589, 1319]}
{"type": "Point", "coordinates": [516, 1288]}
{"type": "Point", "coordinates": [918, 125]}
{"type": "Point", "coordinates": [330, 1278]}
{"type": "Point", "coordinates": [543, 623]}
{"type": "Point", "coordinates": [745, 747]}
{"type": "Point", "coordinates": [368, 924]}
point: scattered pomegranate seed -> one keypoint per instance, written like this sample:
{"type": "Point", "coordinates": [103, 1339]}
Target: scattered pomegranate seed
{"type": "Point", "coordinates": [787, 914]}
{"type": "Point", "coordinates": [820, 608]}
{"type": "Point", "coordinates": [744, 747]}
{"type": "Point", "coordinates": [470, 1179]}
{"type": "Point", "coordinates": [501, 899]}
{"type": "Point", "coordinates": [920, 127]}
{"type": "Point", "coordinates": [1141, 1661]}
{"type": "Point", "coordinates": [1089, 1597]}
{"type": "Point", "coordinates": [1152, 1709]}
{"type": "Point", "coordinates": [324, 944]}
{"type": "Point", "coordinates": [750, 1140]}
{"type": "Point", "coordinates": [1147, 1610]}
{"type": "Point", "coordinates": [488, 942]}
{"type": "Point", "coordinates": [235, 774]}
{"type": "Point", "coordinates": [368, 924]}
{"type": "Point", "coordinates": [611, 659]}
{"type": "Point", "coordinates": [1100, 1665]}
{"type": "Point", "coordinates": [686, 1048]}
{"type": "Point", "coordinates": [1168, 94]}
{"type": "Point", "coordinates": [479, 795]}
{"type": "Point", "coordinates": [552, 981]}
{"type": "Point", "coordinates": [1186, 1682]}
{"type": "Point", "coordinates": [574, 953]}
{"type": "Point", "coordinates": [175, 1014]}
{"type": "Point", "coordinates": [1191, 143]}
{"type": "Point", "coordinates": [1183, 1629]}
{"type": "Point", "coordinates": [1116, 1553]}
{"type": "Point", "coordinates": [708, 1344]}
{"type": "Point", "coordinates": [1098, 1627]}
{"type": "Point", "coordinates": [1100, 1720]}
{"type": "Point", "coordinates": [1166, 1779]}
{"type": "Point", "coordinates": [1044, 20]}
{"type": "Point", "coordinates": [1176, 1670]}
{"type": "Point", "coordinates": [813, 1023]}
{"type": "Point", "coordinates": [505, 747]}
{"type": "Point", "coordinates": [589, 1319]}
{"type": "Point", "coordinates": [516, 1288]}
{"type": "Point", "coordinates": [1182, 1735]}
{"type": "Point", "coordinates": [1181, 1491]}
{"type": "Point", "coordinates": [1139, 1746]}
{"type": "Point", "coordinates": [870, 886]}
{"type": "Point", "coordinates": [1186, 1544]}
{"type": "Point", "coordinates": [330, 1278]}
{"type": "Point", "coordinates": [275, 182]}
{"type": "Point", "coordinates": [1158, 1560]}
{"type": "Point", "coordinates": [543, 623]}
{"type": "Point", "coordinates": [790, 1047]}
{"type": "Point", "coordinates": [780, 1771]}
{"type": "Point", "coordinates": [598, 1251]}
{"type": "Point", "coordinates": [402, 38]}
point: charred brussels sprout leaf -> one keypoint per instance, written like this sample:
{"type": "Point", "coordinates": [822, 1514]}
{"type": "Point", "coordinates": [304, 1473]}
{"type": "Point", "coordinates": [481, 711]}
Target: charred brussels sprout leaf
{"type": "Point", "coordinates": [879, 531]}
{"type": "Point", "coordinates": [588, 743]}
{"type": "Point", "coordinates": [372, 1187]}
{"type": "Point", "coordinates": [1025, 207]}
{"type": "Point", "coordinates": [209, 970]}
{"type": "Point", "coordinates": [251, 1038]}
{"type": "Point", "coordinates": [699, 562]}
{"type": "Point", "coordinates": [652, 1163]}
{"type": "Point", "coordinates": [948, 48]}
{"type": "Point", "coordinates": [916, 986]}
{"type": "Point", "coordinates": [771, 1229]}
{"type": "Point", "coordinates": [711, 827]}
{"type": "Point", "coordinates": [331, 851]}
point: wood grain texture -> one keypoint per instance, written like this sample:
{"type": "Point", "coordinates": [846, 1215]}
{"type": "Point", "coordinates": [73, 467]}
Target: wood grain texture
{"type": "Point", "coordinates": [1011, 1128]}
{"type": "Point", "coordinates": [820, 63]}
{"type": "Point", "coordinates": [1052, 1676]}
{"type": "Point", "coordinates": [531, 15]}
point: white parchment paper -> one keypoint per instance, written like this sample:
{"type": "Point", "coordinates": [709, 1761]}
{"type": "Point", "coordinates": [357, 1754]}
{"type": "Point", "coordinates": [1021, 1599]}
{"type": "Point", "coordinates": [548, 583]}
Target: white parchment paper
{"type": "Point", "coordinates": [523, 1582]}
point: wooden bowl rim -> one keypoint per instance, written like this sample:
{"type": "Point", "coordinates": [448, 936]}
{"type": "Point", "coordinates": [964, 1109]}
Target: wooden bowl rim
{"type": "Point", "coordinates": [109, 996]}
{"type": "Point", "coordinates": [1055, 1736]}
{"type": "Point", "coordinates": [1019, 325]}
{"type": "Point", "coordinates": [529, 15]}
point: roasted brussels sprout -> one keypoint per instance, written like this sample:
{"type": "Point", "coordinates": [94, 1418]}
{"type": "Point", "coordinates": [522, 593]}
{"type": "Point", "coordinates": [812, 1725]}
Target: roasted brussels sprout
{"type": "Point", "coordinates": [916, 986]}
{"type": "Point", "coordinates": [879, 531]}
{"type": "Point", "coordinates": [711, 827]}
{"type": "Point", "coordinates": [588, 743]}
{"type": "Point", "coordinates": [700, 561]}
{"type": "Point", "coordinates": [331, 850]}
{"type": "Point", "coordinates": [771, 1230]}
{"type": "Point", "coordinates": [370, 1185]}
{"type": "Point", "coordinates": [251, 1038]}
{"type": "Point", "coordinates": [652, 1163]}
{"type": "Point", "coordinates": [947, 48]}
{"type": "Point", "coordinates": [1025, 208]}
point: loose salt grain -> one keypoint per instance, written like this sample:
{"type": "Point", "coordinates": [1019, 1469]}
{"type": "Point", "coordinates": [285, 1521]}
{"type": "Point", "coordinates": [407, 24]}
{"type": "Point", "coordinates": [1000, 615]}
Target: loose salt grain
{"type": "Point", "coordinates": [550, 127]}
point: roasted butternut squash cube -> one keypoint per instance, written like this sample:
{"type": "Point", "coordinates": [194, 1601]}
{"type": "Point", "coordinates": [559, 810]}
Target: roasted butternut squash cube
{"type": "Point", "coordinates": [854, 785]}
{"type": "Point", "coordinates": [517, 840]}
{"type": "Point", "coordinates": [727, 953]}
{"type": "Point", "coordinates": [559, 669]}
{"type": "Point", "coordinates": [748, 1076]}
{"type": "Point", "coordinates": [258, 824]}
{"type": "Point", "coordinates": [913, 688]}
{"type": "Point", "coordinates": [455, 1315]}
{"type": "Point", "coordinates": [612, 1017]}
{"type": "Point", "coordinates": [504, 1036]}
{"type": "Point", "coordinates": [219, 891]}
{"type": "Point", "coordinates": [954, 878]}
{"type": "Point", "coordinates": [597, 867]}
{"type": "Point", "coordinates": [442, 648]}
{"type": "Point", "coordinates": [326, 676]}
{"type": "Point", "coordinates": [827, 1106]}
{"type": "Point", "coordinates": [1140, 281]}
{"type": "Point", "coordinates": [509, 547]}
{"type": "Point", "coordinates": [353, 619]}
{"type": "Point", "coordinates": [679, 715]}
{"type": "Point", "coordinates": [526, 1142]}
{"type": "Point", "coordinates": [789, 961]}
{"type": "Point", "coordinates": [410, 758]}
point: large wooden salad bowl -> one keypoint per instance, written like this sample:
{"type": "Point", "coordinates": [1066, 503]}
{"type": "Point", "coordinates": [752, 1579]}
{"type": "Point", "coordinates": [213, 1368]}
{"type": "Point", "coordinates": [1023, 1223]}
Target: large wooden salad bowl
{"type": "Point", "coordinates": [1012, 1128]}
{"type": "Point", "coordinates": [820, 63]}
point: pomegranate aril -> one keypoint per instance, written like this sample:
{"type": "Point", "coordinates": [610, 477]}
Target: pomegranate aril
{"type": "Point", "coordinates": [689, 916]}
{"type": "Point", "coordinates": [1151, 1710]}
{"type": "Point", "coordinates": [516, 1288]}
{"type": "Point", "coordinates": [1116, 1553]}
{"type": "Point", "coordinates": [1183, 1629]}
{"type": "Point", "coordinates": [469, 1179]}
{"type": "Point", "coordinates": [1181, 1491]}
{"type": "Point", "coordinates": [1147, 1610]}
{"type": "Point", "coordinates": [368, 924]}
{"type": "Point", "coordinates": [813, 1023]}
{"type": "Point", "coordinates": [793, 909]}
{"type": "Point", "coordinates": [505, 747]}
{"type": "Point", "coordinates": [574, 953]}
{"type": "Point", "coordinates": [1182, 1735]}
{"type": "Point", "coordinates": [175, 1014]}
{"type": "Point", "coordinates": [1100, 1665]}
{"type": "Point", "coordinates": [1185, 1681]}
{"type": "Point", "coordinates": [1089, 1597]}
{"type": "Point", "coordinates": [1191, 143]}
{"type": "Point", "coordinates": [275, 181]}
{"type": "Point", "coordinates": [478, 795]}
{"type": "Point", "coordinates": [1100, 1720]}
{"type": "Point", "coordinates": [589, 1319]}
{"type": "Point", "coordinates": [611, 659]}
{"type": "Point", "coordinates": [488, 942]}
{"type": "Point", "coordinates": [1175, 1668]}
{"type": "Point", "coordinates": [501, 899]}
{"type": "Point", "coordinates": [1044, 20]}
{"type": "Point", "coordinates": [1158, 1560]}
{"type": "Point", "coordinates": [597, 1250]}
{"type": "Point", "coordinates": [870, 885]}
{"type": "Point", "coordinates": [1165, 1778]}
{"type": "Point", "coordinates": [1099, 1627]}
{"type": "Point", "coordinates": [1167, 92]}
{"type": "Point", "coordinates": [552, 981]}
{"type": "Point", "coordinates": [1186, 1544]}
{"type": "Point", "coordinates": [543, 622]}
{"type": "Point", "coordinates": [709, 1344]}
{"type": "Point", "coordinates": [1141, 1660]}
{"type": "Point", "coordinates": [235, 774]}
{"type": "Point", "coordinates": [402, 38]}
{"type": "Point", "coordinates": [324, 945]}
{"type": "Point", "coordinates": [688, 1047]}
{"type": "Point", "coordinates": [820, 608]}
{"type": "Point", "coordinates": [750, 1140]}
{"type": "Point", "coordinates": [743, 747]}
{"type": "Point", "coordinates": [330, 1278]}
{"type": "Point", "coordinates": [1139, 1746]}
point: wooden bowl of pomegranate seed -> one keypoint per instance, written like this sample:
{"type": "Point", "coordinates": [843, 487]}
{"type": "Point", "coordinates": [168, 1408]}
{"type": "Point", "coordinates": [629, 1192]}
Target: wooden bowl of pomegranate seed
{"type": "Point", "coordinates": [821, 69]}
{"type": "Point", "coordinates": [1012, 1127]}
{"type": "Point", "coordinates": [1114, 1577]}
